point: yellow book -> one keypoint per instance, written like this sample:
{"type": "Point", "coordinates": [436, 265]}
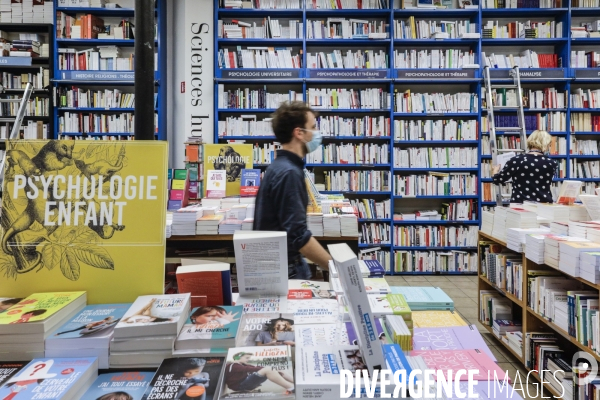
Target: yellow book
{"type": "Point", "coordinates": [38, 313]}
{"type": "Point", "coordinates": [437, 319]}
{"type": "Point", "coordinates": [232, 158]}
{"type": "Point", "coordinates": [178, 184]}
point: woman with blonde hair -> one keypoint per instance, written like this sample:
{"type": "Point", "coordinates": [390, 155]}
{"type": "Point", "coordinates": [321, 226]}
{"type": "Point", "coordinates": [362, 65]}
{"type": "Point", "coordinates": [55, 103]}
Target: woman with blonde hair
{"type": "Point", "coordinates": [530, 173]}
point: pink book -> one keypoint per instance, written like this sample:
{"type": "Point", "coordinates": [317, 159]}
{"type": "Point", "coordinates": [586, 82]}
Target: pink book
{"type": "Point", "coordinates": [462, 359]}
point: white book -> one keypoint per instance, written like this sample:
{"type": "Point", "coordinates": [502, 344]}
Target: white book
{"type": "Point", "coordinates": [359, 308]}
{"type": "Point", "coordinates": [321, 311]}
{"type": "Point", "coordinates": [154, 315]}
{"type": "Point", "coordinates": [262, 264]}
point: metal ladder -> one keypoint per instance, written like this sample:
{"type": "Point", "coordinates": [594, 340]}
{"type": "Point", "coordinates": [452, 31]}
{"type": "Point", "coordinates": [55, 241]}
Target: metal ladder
{"type": "Point", "coordinates": [514, 73]}
{"type": "Point", "coordinates": [18, 119]}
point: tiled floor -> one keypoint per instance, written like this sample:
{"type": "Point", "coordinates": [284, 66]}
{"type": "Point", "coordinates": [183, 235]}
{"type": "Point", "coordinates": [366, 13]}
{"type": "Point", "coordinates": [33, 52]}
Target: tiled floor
{"type": "Point", "coordinates": [463, 291]}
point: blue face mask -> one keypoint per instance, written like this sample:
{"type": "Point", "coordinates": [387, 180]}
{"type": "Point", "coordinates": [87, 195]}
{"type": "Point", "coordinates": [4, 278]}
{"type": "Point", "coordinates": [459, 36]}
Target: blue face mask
{"type": "Point", "coordinates": [315, 141]}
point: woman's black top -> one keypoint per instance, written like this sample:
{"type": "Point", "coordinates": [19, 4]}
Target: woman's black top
{"type": "Point", "coordinates": [531, 176]}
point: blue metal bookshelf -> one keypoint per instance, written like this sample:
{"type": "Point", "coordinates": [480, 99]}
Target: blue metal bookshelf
{"type": "Point", "coordinates": [391, 80]}
{"type": "Point", "coordinates": [110, 79]}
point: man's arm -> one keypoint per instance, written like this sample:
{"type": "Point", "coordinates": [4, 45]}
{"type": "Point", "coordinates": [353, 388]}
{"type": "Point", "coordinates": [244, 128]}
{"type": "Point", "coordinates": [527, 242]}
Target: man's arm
{"type": "Point", "coordinates": [316, 253]}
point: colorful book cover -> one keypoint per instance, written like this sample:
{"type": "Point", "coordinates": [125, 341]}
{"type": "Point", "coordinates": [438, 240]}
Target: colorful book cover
{"type": "Point", "coordinates": [276, 378]}
{"type": "Point", "coordinates": [49, 378]}
{"type": "Point", "coordinates": [10, 369]}
{"type": "Point", "coordinates": [186, 378]}
{"type": "Point", "coordinates": [389, 304]}
{"type": "Point", "coordinates": [87, 246]}
{"type": "Point", "coordinates": [38, 307]}
{"type": "Point", "coordinates": [419, 297]}
{"type": "Point", "coordinates": [232, 158]}
{"type": "Point", "coordinates": [216, 185]}
{"type": "Point", "coordinates": [261, 329]}
{"type": "Point", "coordinates": [462, 359]}
{"type": "Point", "coordinates": [321, 335]}
{"type": "Point", "coordinates": [396, 359]}
{"type": "Point", "coordinates": [373, 268]}
{"type": "Point", "coordinates": [298, 289]}
{"type": "Point", "coordinates": [96, 321]}
{"type": "Point", "coordinates": [450, 338]}
{"type": "Point", "coordinates": [212, 322]}
{"type": "Point", "coordinates": [435, 319]}
{"type": "Point", "coordinates": [117, 384]}
{"type": "Point", "coordinates": [322, 311]}
{"type": "Point", "coordinates": [353, 339]}
{"type": "Point", "coordinates": [8, 302]}
{"type": "Point", "coordinates": [250, 182]}
{"type": "Point", "coordinates": [156, 309]}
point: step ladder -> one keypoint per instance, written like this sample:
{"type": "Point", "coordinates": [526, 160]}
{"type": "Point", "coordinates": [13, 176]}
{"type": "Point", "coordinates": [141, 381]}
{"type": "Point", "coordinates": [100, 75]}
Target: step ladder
{"type": "Point", "coordinates": [18, 120]}
{"type": "Point", "coordinates": [516, 84]}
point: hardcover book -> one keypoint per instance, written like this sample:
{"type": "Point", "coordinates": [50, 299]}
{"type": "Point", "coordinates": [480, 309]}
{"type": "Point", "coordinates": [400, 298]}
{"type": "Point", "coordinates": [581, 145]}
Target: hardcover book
{"type": "Point", "coordinates": [212, 326]}
{"type": "Point", "coordinates": [205, 278]}
{"type": "Point", "coordinates": [266, 329]}
{"type": "Point", "coordinates": [437, 319]}
{"type": "Point", "coordinates": [186, 378]}
{"type": "Point", "coordinates": [134, 384]}
{"type": "Point", "coordinates": [51, 379]}
{"type": "Point", "coordinates": [231, 158]}
{"type": "Point", "coordinates": [450, 338]}
{"type": "Point", "coordinates": [154, 315]}
{"type": "Point", "coordinates": [272, 364]}
{"type": "Point", "coordinates": [250, 182]}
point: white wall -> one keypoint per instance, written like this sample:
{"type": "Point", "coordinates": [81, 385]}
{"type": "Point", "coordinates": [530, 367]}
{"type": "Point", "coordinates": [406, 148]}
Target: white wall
{"type": "Point", "coordinates": [190, 61]}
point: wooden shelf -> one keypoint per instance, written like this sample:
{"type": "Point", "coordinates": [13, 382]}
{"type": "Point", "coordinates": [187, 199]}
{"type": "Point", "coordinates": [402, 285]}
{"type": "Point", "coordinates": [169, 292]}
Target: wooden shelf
{"type": "Point", "coordinates": [230, 237]}
{"type": "Point", "coordinates": [493, 239]}
{"type": "Point", "coordinates": [514, 353]}
{"type": "Point", "coordinates": [563, 333]}
{"type": "Point", "coordinates": [510, 296]}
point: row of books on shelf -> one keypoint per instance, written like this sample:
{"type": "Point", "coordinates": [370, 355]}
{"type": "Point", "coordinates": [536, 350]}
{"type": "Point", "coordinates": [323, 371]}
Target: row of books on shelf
{"type": "Point", "coordinates": [583, 147]}
{"type": "Point", "coordinates": [371, 209]}
{"type": "Point", "coordinates": [111, 137]}
{"type": "Point", "coordinates": [270, 28]}
{"type": "Point", "coordinates": [259, 57]}
{"type": "Point", "coordinates": [37, 106]}
{"type": "Point", "coordinates": [460, 210]}
{"type": "Point", "coordinates": [525, 59]}
{"type": "Point", "coordinates": [89, 26]}
{"type": "Point", "coordinates": [434, 261]}
{"type": "Point", "coordinates": [362, 153]}
{"type": "Point", "coordinates": [382, 4]}
{"type": "Point", "coordinates": [584, 122]}
{"type": "Point", "coordinates": [95, 122]}
{"type": "Point", "coordinates": [584, 169]}
{"type": "Point", "coordinates": [585, 59]}
{"type": "Point", "coordinates": [439, 129]}
{"type": "Point", "coordinates": [29, 130]}
{"type": "Point", "coordinates": [247, 98]}
{"type": "Point", "coordinates": [349, 60]}
{"type": "Point", "coordinates": [550, 122]}
{"type": "Point", "coordinates": [357, 181]}
{"type": "Point", "coordinates": [433, 58]}
{"type": "Point", "coordinates": [76, 97]}
{"type": "Point", "coordinates": [373, 233]}
{"type": "Point", "coordinates": [342, 28]}
{"type": "Point", "coordinates": [96, 59]}
{"type": "Point", "coordinates": [422, 29]}
{"type": "Point", "coordinates": [38, 80]}
{"type": "Point", "coordinates": [521, 4]}
{"type": "Point", "coordinates": [522, 30]}
{"type": "Point", "coordinates": [435, 236]}
{"type": "Point", "coordinates": [435, 157]}
{"type": "Point", "coordinates": [408, 102]}
{"type": "Point", "coordinates": [435, 184]}
{"type": "Point", "coordinates": [368, 98]}
{"type": "Point", "coordinates": [535, 99]}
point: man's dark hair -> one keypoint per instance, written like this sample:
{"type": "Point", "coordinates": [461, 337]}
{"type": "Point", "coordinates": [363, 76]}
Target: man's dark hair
{"type": "Point", "coordinates": [191, 363]}
{"type": "Point", "coordinates": [289, 115]}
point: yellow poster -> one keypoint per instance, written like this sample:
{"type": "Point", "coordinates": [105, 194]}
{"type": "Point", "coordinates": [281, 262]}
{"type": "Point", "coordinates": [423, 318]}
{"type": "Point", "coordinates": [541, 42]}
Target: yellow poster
{"type": "Point", "coordinates": [232, 158]}
{"type": "Point", "coordinates": [84, 215]}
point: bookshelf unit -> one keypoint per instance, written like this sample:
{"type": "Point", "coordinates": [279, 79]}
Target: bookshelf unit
{"type": "Point", "coordinates": [40, 91]}
{"type": "Point", "coordinates": [531, 320]}
{"type": "Point", "coordinates": [100, 80]}
{"type": "Point", "coordinates": [394, 79]}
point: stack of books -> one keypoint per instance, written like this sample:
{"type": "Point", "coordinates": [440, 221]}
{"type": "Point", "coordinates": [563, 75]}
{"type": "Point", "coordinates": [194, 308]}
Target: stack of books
{"type": "Point", "coordinates": [400, 330]}
{"type": "Point", "coordinates": [589, 266]}
{"type": "Point", "coordinates": [348, 225]}
{"type": "Point", "coordinates": [331, 225]}
{"type": "Point", "coordinates": [570, 253]}
{"type": "Point", "coordinates": [169, 225]}
{"type": "Point", "coordinates": [390, 304]}
{"type": "Point", "coordinates": [578, 212]}
{"type": "Point", "coordinates": [315, 223]}
{"type": "Point", "coordinates": [520, 218]}
{"type": "Point", "coordinates": [559, 228]}
{"type": "Point", "coordinates": [499, 230]}
{"type": "Point", "coordinates": [229, 226]}
{"type": "Point", "coordinates": [25, 326]}
{"type": "Point", "coordinates": [16, 10]}
{"type": "Point", "coordinates": [87, 334]}
{"type": "Point", "coordinates": [515, 237]}
{"type": "Point", "coordinates": [535, 247]}
{"type": "Point", "coordinates": [551, 249]}
{"type": "Point", "coordinates": [247, 224]}
{"type": "Point", "coordinates": [450, 338]}
{"type": "Point", "coordinates": [593, 235]}
{"type": "Point", "coordinates": [371, 269]}
{"type": "Point", "coordinates": [487, 222]}
{"type": "Point", "coordinates": [502, 326]}
{"type": "Point", "coordinates": [553, 212]}
{"type": "Point", "coordinates": [514, 340]}
{"type": "Point", "coordinates": [145, 335]}
{"type": "Point", "coordinates": [184, 221]}
{"type": "Point", "coordinates": [425, 298]}
{"type": "Point", "coordinates": [208, 224]}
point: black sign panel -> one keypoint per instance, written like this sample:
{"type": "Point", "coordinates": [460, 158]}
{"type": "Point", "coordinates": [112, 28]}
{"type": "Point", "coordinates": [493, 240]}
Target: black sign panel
{"type": "Point", "coordinates": [435, 74]}
{"type": "Point", "coordinates": [592, 73]}
{"type": "Point", "coordinates": [348, 73]}
{"type": "Point", "coordinates": [528, 73]}
{"type": "Point", "coordinates": [261, 74]}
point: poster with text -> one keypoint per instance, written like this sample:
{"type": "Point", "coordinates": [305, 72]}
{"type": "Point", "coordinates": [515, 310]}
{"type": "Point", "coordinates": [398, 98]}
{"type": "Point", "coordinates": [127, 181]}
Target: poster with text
{"type": "Point", "coordinates": [232, 158]}
{"type": "Point", "coordinates": [84, 215]}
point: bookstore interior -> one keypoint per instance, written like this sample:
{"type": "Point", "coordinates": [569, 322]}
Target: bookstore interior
{"type": "Point", "coordinates": [452, 179]}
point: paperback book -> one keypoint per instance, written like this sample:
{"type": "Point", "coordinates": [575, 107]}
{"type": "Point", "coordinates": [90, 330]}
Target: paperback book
{"type": "Point", "coordinates": [321, 335]}
{"type": "Point", "coordinates": [462, 359]}
{"type": "Point", "coordinates": [298, 289]}
{"type": "Point", "coordinates": [9, 369]}
{"type": "Point", "coordinates": [353, 339]}
{"type": "Point", "coordinates": [250, 182]}
{"type": "Point", "coordinates": [117, 384]}
{"type": "Point", "coordinates": [262, 329]}
{"type": "Point", "coordinates": [205, 278]}
{"type": "Point", "coordinates": [437, 319]}
{"type": "Point", "coordinates": [262, 304]}
{"type": "Point", "coordinates": [322, 311]}
{"type": "Point", "coordinates": [186, 378]}
{"type": "Point", "coordinates": [266, 371]}
{"type": "Point", "coordinates": [450, 338]}
{"type": "Point", "coordinates": [389, 304]}
{"type": "Point", "coordinates": [8, 302]}
{"type": "Point", "coordinates": [425, 298]}
{"type": "Point", "coordinates": [210, 327]}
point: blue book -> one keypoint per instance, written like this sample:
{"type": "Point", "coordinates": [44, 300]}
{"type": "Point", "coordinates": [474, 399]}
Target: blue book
{"type": "Point", "coordinates": [250, 182]}
{"type": "Point", "coordinates": [132, 383]}
{"type": "Point", "coordinates": [51, 379]}
{"type": "Point", "coordinates": [396, 359]}
{"type": "Point", "coordinates": [425, 298]}
{"type": "Point", "coordinates": [375, 268]}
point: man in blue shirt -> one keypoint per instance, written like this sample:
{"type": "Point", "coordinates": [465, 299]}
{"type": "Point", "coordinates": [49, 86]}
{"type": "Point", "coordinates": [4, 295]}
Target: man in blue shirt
{"type": "Point", "coordinates": [282, 198]}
